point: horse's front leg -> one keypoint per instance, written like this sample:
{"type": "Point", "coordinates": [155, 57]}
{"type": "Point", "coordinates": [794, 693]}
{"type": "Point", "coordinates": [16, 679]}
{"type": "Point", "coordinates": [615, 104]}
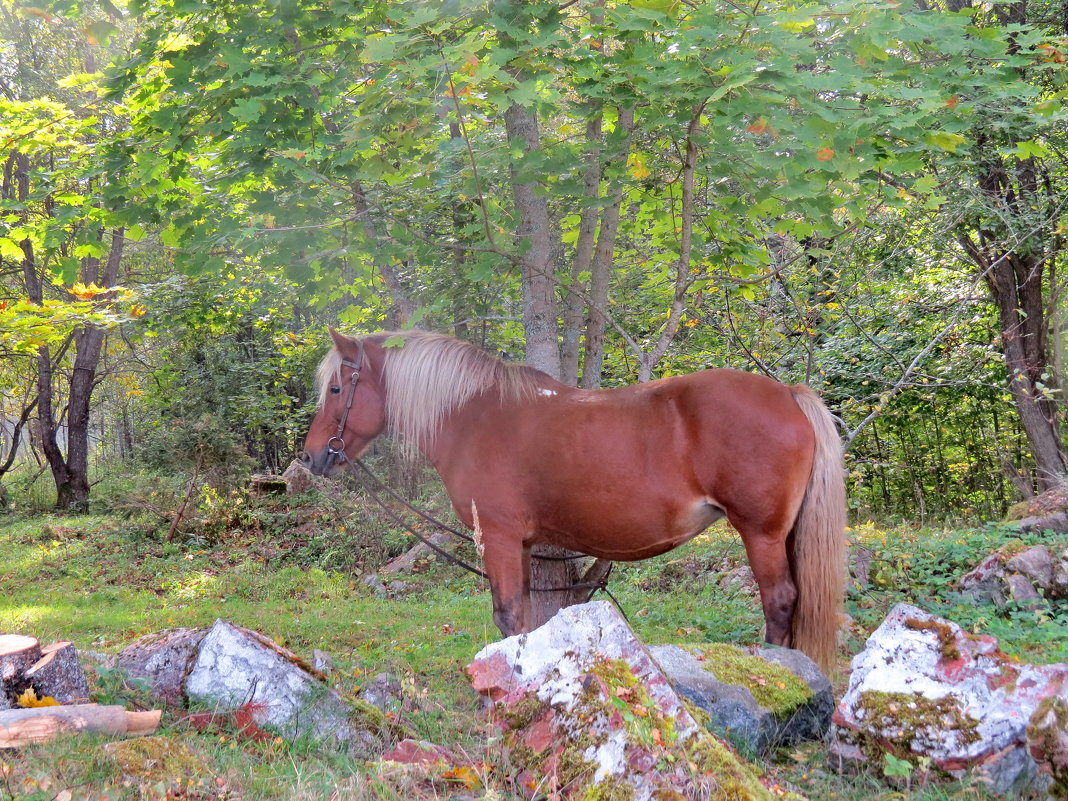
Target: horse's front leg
{"type": "Point", "coordinates": [507, 565]}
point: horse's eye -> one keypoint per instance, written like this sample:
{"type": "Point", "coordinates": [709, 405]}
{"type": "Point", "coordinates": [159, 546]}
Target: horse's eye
{"type": "Point", "coordinates": [335, 390]}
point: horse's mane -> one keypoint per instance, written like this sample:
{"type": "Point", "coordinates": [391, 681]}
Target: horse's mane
{"type": "Point", "coordinates": [430, 375]}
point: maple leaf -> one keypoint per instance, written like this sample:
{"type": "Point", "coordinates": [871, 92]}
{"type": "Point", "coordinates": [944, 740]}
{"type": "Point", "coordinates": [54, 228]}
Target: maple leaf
{"type": "Point", "coordinates": [465, 774]}
{"type": "Point", "coordinates": [83, 292]}
{"type": "Point", "coordinates": [29, 700]}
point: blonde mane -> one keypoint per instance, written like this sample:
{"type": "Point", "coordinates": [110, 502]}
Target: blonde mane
{"type": "Point", "coordinates": [430, 375]}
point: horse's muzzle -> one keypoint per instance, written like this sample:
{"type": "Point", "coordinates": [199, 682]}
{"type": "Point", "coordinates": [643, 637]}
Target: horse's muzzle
{"type": "Point", "coordinates": [327, 464]}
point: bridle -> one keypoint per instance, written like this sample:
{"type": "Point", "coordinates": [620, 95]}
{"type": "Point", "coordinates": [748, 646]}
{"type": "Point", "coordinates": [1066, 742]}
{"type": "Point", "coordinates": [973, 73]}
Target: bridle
{"type": "Point", "coordinates": [335, 446]}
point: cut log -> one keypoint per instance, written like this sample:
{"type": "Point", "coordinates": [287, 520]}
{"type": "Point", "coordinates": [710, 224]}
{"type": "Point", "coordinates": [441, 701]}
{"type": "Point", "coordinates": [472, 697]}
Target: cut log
{"type": "Point", "coordinates": [20, 727]}
{"type": "Point", "coordinates": [17, 655]}
{"type": "Point", "coordinates": [59, 674]}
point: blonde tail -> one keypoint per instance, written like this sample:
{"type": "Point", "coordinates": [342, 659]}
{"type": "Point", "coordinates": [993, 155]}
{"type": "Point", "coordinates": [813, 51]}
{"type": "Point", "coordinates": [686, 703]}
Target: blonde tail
{"type": "Point", "coordinates": [819, 542]}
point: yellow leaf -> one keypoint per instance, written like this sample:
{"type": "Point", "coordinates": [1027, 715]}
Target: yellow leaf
{"type": "Point", "coordinates": [465, 774]}
{"type": "Point", "coordinates": [29, 700]}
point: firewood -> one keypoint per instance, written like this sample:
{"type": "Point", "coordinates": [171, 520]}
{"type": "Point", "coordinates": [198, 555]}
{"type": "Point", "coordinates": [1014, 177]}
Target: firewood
{"type": "Point", "coordinates": [59, 674]}
{"type": "Point", "coordinates": [20, 727]}
{"type": "Point", "coordinates": [17, 654]}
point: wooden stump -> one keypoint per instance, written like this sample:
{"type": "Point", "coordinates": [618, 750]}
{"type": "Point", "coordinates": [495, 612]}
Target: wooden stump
{"type": "Point", "coordinates": [58, 674]}
{"type": "Point", "coordinates": [17, 654]}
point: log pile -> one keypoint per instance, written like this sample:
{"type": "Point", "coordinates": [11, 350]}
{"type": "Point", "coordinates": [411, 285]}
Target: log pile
{"type": "Point", "coordinates": [51, 682]}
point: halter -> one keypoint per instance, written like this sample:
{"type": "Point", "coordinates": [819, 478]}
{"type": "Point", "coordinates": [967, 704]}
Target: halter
{"type": "Point", "coordinates": [335, 450]}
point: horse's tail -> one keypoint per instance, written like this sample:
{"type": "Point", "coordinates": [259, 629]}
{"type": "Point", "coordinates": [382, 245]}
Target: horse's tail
{"type": "Point", "coordinates": [818, 540]}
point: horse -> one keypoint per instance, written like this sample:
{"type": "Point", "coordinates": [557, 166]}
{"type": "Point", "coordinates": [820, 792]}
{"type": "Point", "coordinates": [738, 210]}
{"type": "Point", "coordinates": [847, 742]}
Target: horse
{"type": "Point", "coordinates": [621, 474]}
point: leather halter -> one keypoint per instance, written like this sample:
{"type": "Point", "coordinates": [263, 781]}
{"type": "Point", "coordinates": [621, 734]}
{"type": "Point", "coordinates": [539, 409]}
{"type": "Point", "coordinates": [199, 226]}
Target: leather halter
{"type": "Point", "coordinates": [334, 450]}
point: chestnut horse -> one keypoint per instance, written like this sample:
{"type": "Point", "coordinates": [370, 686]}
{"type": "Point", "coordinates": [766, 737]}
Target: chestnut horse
{"type": "Point", "coordinates": [620, 474]}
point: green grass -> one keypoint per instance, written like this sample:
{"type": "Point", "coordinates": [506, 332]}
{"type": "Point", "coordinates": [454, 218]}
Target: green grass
{"type": "Point", "coordinates": [295, 574]}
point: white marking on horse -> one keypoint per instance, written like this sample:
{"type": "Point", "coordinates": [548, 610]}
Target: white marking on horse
{"type": "Point", "coordinates": [547, 392]}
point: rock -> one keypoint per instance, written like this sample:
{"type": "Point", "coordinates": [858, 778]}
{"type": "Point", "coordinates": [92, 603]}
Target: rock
{"type": "Point", "coordinates": [795, 703]}
{"type": "Point", "coordinates": [1035, 564]}
{"type": "Point", "coordinates": [1056, 522]}
{"type": "Point", "coordinates": [236, 667]}
{"type": "Point", "coordinates": [587, 712]}
{"type": "Point", "coordinates": [299, 479]}
{"type": "Point", "coordinates": [1047, 743]}
{"type": "Point", "coordinates": [162, 660]}
{"type": "Point", "coordinates": [384, 692]}
{"type": "Point", "coordinates": [1022, 590]}
{"type": "Point", "coordinates": [322, 662]}
{"type": "Point", "coordinates": [410, 561]}
{"type": "Point", "coordinates": [1045, 504]}
{"type": "Point", "coordinates": [1027, 578]}
{"type": "Point", "coordinates": [1059, 582]}
{"type": "Point", "coordinates": [420, 752]}
{"type": "Point", "coordinates": [983, 582]}
{"type": "Point", "coordinates": [263, 484]}
{"type": "Point", "coordinates": [923, 687]}
{"type": "Point", "coordinates": [860, 559]}
{"type": "Point", "coordinates": [740, 578]}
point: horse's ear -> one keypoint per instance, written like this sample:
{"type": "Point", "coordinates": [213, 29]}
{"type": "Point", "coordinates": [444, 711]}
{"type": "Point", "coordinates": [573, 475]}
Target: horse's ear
{"type": "Point", "coordinates": [340, 340]}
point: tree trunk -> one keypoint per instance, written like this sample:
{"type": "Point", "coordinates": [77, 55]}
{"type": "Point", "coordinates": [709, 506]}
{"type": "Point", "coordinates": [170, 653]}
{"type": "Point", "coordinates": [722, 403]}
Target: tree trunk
{"type": "Point", "coordinates": [1015, 275]}
{"type": "Point", "coordinates": [601, 269]}
{"type": "Point", "coordinates": [533, 231]}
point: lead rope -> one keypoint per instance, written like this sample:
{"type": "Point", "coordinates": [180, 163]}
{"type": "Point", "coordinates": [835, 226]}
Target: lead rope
{"type": "Point", "coordinates": [378, 484]}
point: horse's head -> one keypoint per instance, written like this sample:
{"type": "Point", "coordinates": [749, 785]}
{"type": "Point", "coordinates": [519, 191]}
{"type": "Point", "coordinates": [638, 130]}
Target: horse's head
{"type": "Point", "coordinates": [351, 407]}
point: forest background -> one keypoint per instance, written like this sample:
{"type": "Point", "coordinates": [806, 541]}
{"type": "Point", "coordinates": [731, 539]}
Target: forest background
{"type": "Point", "coordinates": [867, 197]}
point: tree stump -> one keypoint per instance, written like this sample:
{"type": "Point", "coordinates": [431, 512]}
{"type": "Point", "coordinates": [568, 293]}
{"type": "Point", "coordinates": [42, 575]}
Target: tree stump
{"type": "Point", "coordinates": [17, 654]}
{"type": "Point", "coordinates": [59, 674]}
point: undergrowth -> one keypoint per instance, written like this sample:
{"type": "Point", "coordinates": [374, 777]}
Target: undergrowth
{"type": "Point", "coordinates": [295, 569]}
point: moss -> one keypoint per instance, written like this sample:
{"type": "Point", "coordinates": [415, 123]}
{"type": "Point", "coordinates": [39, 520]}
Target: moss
{"type": "Point", "coordinates": [156, 758]}
{"type": "Point", "coordinates": [1049, 720]}
{"type": "Point", "coordinates": [610, 789]}
{"type": "Point", "coordinates": [904, 718]}
{"type": "Point", "coordinates": [776, 688]}
{"type": "Point", "coordinates": [522, 713]}
{"type": "Point", "coordinates": [736, 779]}
{"type": "Point", "coordinates": [630, 698]}
{"type": "Point", "coordinates": [946, 639]}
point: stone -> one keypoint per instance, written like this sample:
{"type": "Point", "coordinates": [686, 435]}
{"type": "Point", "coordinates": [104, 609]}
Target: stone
{"type": "Point", "coordinates": [983, 582]}
{"type": "Point", "coordinates": [1056, 522]}
{"type": "Point", "coordinates": [741, 579]}
{"type": "Point", "coordinates": [585, 711]}
{"type": "Point", "coordinates": [161, 661]}
{"type": "Point", "coordinates": [1022, 590]}
{"type": "Point", "coordinates": [922, 687]}
{"type": "Point", "coordinates": [1059, 582]}
{"type": "Point", "coordinates": [298, 478]}
{"type": "Point", "coordinates": [1047, 743]}
{"type": "Point", "coordinates": [420, 752]}
{"type": "Point", "coordinates": [323, 662]}
{"type": "Point", "coordinates": [236, 667]}
{"type": "Point", "coordinates": [1034, 563]}
{"type": "Point", "coordinates": [384, 692]}
{"type": "Point", "coordinates": [724, 680]}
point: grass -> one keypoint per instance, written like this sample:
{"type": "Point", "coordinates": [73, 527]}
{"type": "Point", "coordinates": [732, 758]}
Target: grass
{"type": "Point", "coordinates": [295, 573]}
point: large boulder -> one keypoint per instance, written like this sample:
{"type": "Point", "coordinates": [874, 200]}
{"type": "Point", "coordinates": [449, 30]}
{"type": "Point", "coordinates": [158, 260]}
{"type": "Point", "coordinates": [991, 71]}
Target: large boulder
{"type": "Point", "coordinates": [587, 712]}
{"type": "Point", "coordinates": [922, 687]}
{"type": "Point", "coordinates": [758, 698]}
{"type": "Point", "coordinates": [242, 674]}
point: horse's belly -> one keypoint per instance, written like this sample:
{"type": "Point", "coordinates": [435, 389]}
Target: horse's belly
{"type": "Point", "coordinates": [639, 535]}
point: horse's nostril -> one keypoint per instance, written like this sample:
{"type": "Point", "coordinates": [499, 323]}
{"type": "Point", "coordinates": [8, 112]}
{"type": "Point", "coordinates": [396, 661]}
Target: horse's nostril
{"type": "Point", "coordinates": [304, 457]}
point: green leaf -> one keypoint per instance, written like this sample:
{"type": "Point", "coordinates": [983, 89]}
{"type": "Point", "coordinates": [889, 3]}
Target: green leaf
{"type": "Point", "coordinates": [246, 110]}
{"type": "Point", "coordinates": [946, 141]}
{"type": "Point", "coordinates": [395, 341]}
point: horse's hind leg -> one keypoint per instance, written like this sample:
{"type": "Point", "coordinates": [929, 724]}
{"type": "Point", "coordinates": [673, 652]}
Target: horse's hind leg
{"type": "Point", "coordinates": [508, 568]}
{"type": "Point", "coordinates": [766, 547]}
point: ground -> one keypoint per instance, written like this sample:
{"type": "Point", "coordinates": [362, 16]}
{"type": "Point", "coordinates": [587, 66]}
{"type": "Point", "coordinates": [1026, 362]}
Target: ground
{"type": "Point", "coordinates": [295, 573]}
